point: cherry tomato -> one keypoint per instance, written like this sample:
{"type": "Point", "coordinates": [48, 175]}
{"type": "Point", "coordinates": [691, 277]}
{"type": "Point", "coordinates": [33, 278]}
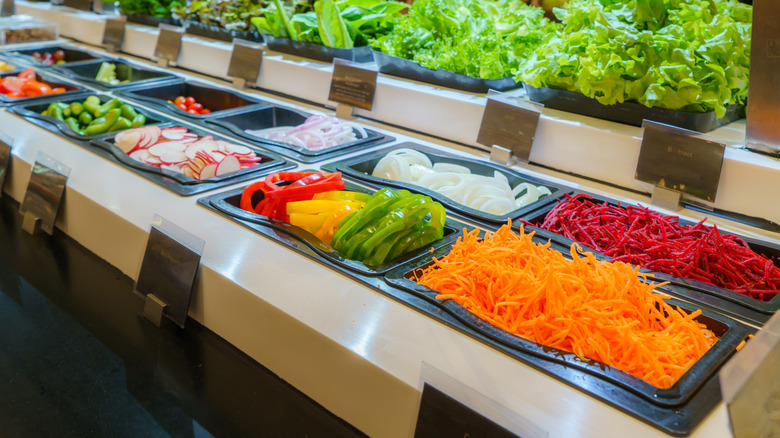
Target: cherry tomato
{"type": "Point", "coordinates": [59, 55]}
{"type": "Point", "coordinates": [192, 111]}
{"type": "Point", "coordinates": [189, 101]}
{"type": "Point", "coordinates": [182, 107]}
{"type": "Point", "coordinates": [179, 101]}
{"type": "Point", "coordinates": [197, 107]}
{"type": "Point", "coordinates": [205, 111]}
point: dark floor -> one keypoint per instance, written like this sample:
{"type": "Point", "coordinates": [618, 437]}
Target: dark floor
{"type": "Point", "coordinates": [76, 360]}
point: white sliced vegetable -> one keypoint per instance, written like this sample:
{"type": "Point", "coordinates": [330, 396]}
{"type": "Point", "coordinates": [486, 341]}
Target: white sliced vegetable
{"type": "Point", "coordinates": [393, 167]}
{"type": "Point", "coordinates": [491, 195]}
{"type": "Point", "coordinates": [449, 167]}
{"type": "Point", "coordinates": [209, 171]}
{"type": "Point", "coordinates": [228, 165]}
{"type": "Point", "coordinates": [413, 157]}
{"type": "Point", "coordinates": [127, 140]}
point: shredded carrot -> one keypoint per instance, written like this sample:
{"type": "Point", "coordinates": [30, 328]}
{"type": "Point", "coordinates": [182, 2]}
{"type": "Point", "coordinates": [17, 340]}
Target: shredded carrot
{"type": "Point", "coordinates": [741, 344]}
{"type": "Point", "coordinates": [605, 311]}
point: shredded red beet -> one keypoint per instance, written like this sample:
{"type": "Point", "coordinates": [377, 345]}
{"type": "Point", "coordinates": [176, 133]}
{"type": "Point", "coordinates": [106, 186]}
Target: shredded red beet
{"type": "Point", "coordinates": [651, 240]}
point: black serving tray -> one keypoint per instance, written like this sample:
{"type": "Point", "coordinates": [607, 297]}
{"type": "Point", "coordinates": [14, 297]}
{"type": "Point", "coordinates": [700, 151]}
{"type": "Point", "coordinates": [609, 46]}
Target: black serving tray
{"type": "Point", "coordinates": [181, 184]}
{"type": "Point", "coordinates": [219, 100]}
{"type": "Point", "coordinates": [32, 112]}
{"type": "Point", "coordinates": [228, 204]}
{"type": "Point", "coordinates": [631, 113]}
{"type": "Point", "coordinates": [718, 298]}
{"type": "Point", "coordinates": [72, 55]}
{"type": "Point", "coordinates": [272, 116]}
{"type": "Point", "coordinates": [70, 89]}
{"type": "Point", "coordinates": [150, 20]}
{"type": "Point", "coordinates": [141, 77]}
{"type": "Point", "coordinates": [675, 410]}
{"type": "Point", "coordinates": [362, 166]}
{"type": "Point", "coordinates": [219, 33]}
{"type": "Point", "coordinates": [317, 51]}
{"type": "Point", "coordinates": [405, 68]}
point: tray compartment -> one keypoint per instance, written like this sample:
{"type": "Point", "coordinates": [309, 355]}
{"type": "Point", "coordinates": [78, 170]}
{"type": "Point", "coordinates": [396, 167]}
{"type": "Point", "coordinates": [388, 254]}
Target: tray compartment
{"type": "Point", "coordinates": [675, 410]}
{"type": "Point", "coordinates": [70, 89]}
{"type": "Point", "coordinates": [631, 113]}
{"type": "Point", "coordinates": [406, 68]}
{"type": "Point", "coordinates": [33, 111]}
{"type": "Point", "coordinates": [228, 204]}
{"type": "Point", "coordinates": [274, 116]}
{"type": "Point", "coordinates": [220, 101]}
{"type": "Point", "coordinates": [139, 76]}
{"type": "Point", "coordinates": [317, 51]}
{"type": "Point", "coordinates": [362, 166]}
{"type": "Point", "coordinates": [72, 55]}
{"type": "Point", "coordinates": [180, 183]}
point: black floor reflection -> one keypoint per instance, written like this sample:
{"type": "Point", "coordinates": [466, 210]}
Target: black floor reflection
{"type": "Point", "coordinates": [76, 360]}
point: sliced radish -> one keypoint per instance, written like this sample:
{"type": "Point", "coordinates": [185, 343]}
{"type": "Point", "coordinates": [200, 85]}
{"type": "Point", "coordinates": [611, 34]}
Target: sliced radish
{"type": "Point", "coordinates": [208, 172]}
{"type": "Point", "coordinates": [175, 133]}
{"type": "Point", "coordinates": [167, 147]}
{"type": "Point", "coordinates": [173, 157]}
{"type": "Point", "coordinates": [228, 165]}
{"type": "Point", "coordinates": [127, 140]}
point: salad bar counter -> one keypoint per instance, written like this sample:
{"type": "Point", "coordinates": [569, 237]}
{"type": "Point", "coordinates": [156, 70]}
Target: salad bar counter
{"type": "Point", "coordinates": [349, 256]}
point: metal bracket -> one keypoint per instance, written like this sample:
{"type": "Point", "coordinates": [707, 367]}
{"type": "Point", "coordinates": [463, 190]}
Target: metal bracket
{"type": "Point", "coordinates": [665, 198]}
{"type": "Point", "coordinates": [344, 111]}
{"type": "Point", "coordinates": [164, 62]}
{"type": "Point", "coordinates": [154, 310]}
{"type": "Point", "coordinates": [239, 83]}
{"type": "Point", "coordinates": [31, 224]}
{"type": "Point", "coordinates": [500, 155]}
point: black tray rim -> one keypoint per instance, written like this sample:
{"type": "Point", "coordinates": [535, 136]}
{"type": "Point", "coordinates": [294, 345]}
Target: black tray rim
{"type": "Point", "coordinates": [375, 138]}
{"type": "Point", "coordinates": [316, 51]}
{"type": "Point", "coordinates": [676, 395]}
{"type": "Point", "coordinates": [16, 55]}
{"type": "Point", "coordinates": [65, 70]}
{"type": "Point", "coordinates": [763, 307]}
{"type": "Point", "coordinates": [219, 33]}
{"type": "Point", "coordinates": [622, 112]}
{"type": "Point", "coordinates": [63, 128]}
{"type": "Point", "coordinates": [408, 69]}
{"type": "Point", "coordinates": [324, 252]}
{"type": "Point", "coordinates": [345, 166]}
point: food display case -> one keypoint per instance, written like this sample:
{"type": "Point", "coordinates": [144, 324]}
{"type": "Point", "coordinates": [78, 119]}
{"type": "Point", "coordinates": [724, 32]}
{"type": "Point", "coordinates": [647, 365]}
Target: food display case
{"type": "Point", "coordinates": [354, 336]}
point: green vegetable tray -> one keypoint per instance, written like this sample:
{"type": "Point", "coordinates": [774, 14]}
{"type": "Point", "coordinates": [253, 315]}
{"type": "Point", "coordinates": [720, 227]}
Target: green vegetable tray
{"type": "Point", "coordinates": [721, 299]}
{"type": "Point", "coordinates": [631, 113]}
{"type": "Point", "coordinates": [151, 20]}
{"type": "Point", "coordinates": [32, 112]}
{"type": "Point", "coordinates": [317, 51]}
{"type": "Point", "coordinates": [218, 32]}
{"type": "Point", "coordinates": [405, 68]}
{"type": "Point", "coordinates": [228, 204]}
